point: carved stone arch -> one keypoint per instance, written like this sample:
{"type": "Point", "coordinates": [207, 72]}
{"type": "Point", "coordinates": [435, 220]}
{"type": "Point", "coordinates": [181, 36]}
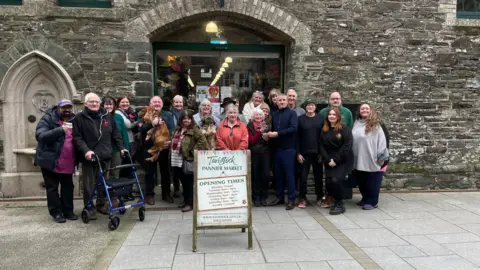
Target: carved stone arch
{"type": "Point", "coordinates": [39, 43]}
{"type": "Point", "coordinates": [142, 27]}
{"type": "Point", "coordinates": [23, 103]}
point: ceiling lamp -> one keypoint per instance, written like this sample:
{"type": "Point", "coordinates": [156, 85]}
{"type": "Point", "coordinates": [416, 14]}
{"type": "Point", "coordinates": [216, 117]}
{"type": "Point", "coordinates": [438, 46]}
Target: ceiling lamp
{"type": "Point", "coordinates": [225, 65]}
{"type": "Point", "coordinates": [228, 60]}
{"type": "Point", "coordinates": [211, 27]}
{"type": "Point", "coordinates": [222, 69]}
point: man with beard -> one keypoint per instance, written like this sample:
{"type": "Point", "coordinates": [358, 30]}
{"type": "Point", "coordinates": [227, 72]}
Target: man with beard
{"type": "Point", "coordinates": [56, 157]}
{"type": "Point", "coordinates": [94, 131]}
{"type": "Point", "coordinates": [151, 167]}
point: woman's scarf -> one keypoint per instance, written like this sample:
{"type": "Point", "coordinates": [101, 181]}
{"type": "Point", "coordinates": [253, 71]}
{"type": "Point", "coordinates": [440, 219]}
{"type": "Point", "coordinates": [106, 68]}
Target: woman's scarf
{"type": "Point", "coordinates": [177, 139]}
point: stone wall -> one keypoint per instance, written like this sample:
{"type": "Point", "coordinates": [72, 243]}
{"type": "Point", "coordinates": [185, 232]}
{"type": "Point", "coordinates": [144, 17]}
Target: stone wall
{"type": "Point", "coordinates": [413, 60]}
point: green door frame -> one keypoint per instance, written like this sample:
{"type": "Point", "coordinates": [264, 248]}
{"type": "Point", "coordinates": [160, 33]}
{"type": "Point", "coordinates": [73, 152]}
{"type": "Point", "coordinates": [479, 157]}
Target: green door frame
{"type": "Point", "coordinates": [280, 49]}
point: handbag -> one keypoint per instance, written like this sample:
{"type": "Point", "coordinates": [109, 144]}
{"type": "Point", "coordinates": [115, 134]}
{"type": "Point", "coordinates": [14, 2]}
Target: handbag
{"type": "Point", "coordinates": [187, 167]}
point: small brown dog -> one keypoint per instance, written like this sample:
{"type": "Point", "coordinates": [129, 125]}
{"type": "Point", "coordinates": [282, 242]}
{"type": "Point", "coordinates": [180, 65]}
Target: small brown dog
{"type": "Point", "coordinates": [160, 133]}
{"type": "Point", "coordinates": [210, 132]}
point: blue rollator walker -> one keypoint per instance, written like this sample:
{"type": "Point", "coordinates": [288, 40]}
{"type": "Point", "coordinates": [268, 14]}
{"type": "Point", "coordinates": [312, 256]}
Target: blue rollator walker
{"type": "Point", "coordinates": [118, 187]}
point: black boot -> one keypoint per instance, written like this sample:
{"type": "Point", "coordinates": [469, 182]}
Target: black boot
{"type": "Point", "coordinates": [337, 208]}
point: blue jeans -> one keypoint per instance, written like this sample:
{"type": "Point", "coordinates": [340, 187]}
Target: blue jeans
{"type": "Point", "coordinates": [285, 167]}
{"type": "Point", "coordinates": [369, 185]}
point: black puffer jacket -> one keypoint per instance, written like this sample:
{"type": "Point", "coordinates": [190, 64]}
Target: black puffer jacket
{"type": "Point", "coordinates": [96, 135]}
{"type": "Point", "coordinates": [50, 137]}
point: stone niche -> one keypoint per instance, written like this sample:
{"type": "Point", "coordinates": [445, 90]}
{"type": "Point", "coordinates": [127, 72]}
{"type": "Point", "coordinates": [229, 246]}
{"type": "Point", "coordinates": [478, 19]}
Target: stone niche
{"type": "Point", "coordinates": [33, 84]}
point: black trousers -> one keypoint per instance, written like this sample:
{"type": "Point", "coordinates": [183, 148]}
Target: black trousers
{"type": "Point", "coordinates": [335, 188]}
{"type": "Point", "coordinates": [63, 203]}
{"type": "Point", "coordinates": [151, 174]}
{"type": "Point", "coordinates": [187, 184]}
{"type": "Point", "coordinates": [177, 174]}
{"type": "Point", "coordinates": [260, 176]}
{"type": "Point", "coordinates": [311, 161]}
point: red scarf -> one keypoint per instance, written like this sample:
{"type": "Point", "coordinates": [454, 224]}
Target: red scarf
{"type": "Point", "coordinates": [177, 139]}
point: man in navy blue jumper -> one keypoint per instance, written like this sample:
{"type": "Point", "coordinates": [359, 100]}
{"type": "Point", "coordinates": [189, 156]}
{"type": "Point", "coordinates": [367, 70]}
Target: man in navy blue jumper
{"type": "Point", "coordinates": [284, 127]}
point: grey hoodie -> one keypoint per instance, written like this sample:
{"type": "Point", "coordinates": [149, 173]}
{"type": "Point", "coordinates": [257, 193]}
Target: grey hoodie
{"type": "Point", "coordinates": [367, 149]}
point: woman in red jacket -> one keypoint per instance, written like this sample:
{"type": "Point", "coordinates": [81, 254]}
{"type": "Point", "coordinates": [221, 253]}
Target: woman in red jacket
{"type": "Point", "coordinates": [232, 134]}
{"type": "Point", "coordinates": [260, 157]}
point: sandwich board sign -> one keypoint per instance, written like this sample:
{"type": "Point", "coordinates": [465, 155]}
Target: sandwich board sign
{"type": "Point", "coordinates": [222, 192]}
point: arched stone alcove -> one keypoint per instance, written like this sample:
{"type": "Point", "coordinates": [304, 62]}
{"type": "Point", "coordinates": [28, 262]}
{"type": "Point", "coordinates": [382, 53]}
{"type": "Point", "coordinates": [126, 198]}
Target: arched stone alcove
{"type": "Point", "coordinates": [34, 83]}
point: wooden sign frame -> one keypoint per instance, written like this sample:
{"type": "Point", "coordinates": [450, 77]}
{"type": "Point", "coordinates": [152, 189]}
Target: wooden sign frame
{"type": "Point", "coordinates": [249, 205]}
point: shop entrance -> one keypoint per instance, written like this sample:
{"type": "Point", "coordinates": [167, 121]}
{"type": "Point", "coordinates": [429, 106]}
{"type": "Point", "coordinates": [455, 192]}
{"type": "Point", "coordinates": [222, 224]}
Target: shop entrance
{"type": "Point", "coordinates": [198, 71]}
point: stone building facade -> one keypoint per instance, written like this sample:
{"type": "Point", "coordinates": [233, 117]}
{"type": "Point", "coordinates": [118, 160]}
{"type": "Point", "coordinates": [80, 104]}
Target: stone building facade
{"type": "Point", "coordinates": [415, 61]}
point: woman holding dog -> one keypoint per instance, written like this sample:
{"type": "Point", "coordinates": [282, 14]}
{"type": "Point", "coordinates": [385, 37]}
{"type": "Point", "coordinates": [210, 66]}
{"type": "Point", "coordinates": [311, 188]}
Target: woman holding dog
{"type": "Point", "coordinates": [205, 111]}
{"type": "Point", "coordinates": [187, 137]}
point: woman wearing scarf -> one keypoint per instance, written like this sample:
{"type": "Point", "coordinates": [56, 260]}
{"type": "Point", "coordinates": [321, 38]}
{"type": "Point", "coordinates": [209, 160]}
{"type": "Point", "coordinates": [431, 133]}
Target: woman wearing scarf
{"type": "Point", "coordinates": [187, 137]}
{"type": "Point", "coordinates": [260, 157]}
{"type": "Point", "coordinates": [129, 118]}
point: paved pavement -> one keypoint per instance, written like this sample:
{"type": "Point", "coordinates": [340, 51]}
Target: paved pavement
{"type": "Point", "coordinates": [408, 231]}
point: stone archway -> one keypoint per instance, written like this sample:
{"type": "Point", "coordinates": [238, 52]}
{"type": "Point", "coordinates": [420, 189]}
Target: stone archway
{"type": "Point", "coordinates": [143, 26]}
{"type": "Point", "coordinates": [31, 85]}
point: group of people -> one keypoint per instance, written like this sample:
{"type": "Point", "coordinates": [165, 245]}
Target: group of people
{"type": "Point", "coordinates": [284, 139]}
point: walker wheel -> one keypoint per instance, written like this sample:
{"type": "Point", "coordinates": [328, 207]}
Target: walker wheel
{"type": "Point", "coordinates": [85, 216]}
{"type": "Point", "coordinates": [141, 213]}
{"type": "Point", "coordinates": [113, 223]}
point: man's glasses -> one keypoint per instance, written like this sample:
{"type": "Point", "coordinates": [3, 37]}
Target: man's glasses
{"type": "Point", "coordinates": [93, 102]}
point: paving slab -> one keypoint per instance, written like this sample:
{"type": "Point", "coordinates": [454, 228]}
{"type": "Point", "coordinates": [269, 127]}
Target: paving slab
{"type": "Point", "coordinates": [473, 228]}
{"type": "Point", "coordinates": [190, 262]}
{"type": "Point", "coordinates": [303, 250]}
{"type": "Point", "coordinates": [140, 257]}
{"type": "Point", "coordinates": [342, 222]}
{"type": "Point", "coordinates": [216, 243]}
{"type": "Point", "coordinates": [345, 265]}
{"type": "Point", "coordinates": [406, 251]}
{"type": "Point", "coordinates": [278, 231]}
{"type": "Point", "coordinates": [447, 238]}
{"type": "Point", "coordinates": [441, 263]}
{"type": "Point", "coordinates": [234, 258]}
{"type": "Point", "coordinates": [420, 226]}
{"type": "Point", "coordinates": [280, 217]}
{"type": "Point", "coordinates": [427, 245]}
{"type": "Point", "coordinates": [265, 266]}
{"type": "Point", "coordinates": [386, 258]}
{"type": "Point", "coordinates": [314, 265]}
{"type": "Point", "coordinates": [469, 251]}
{"type": "Point", "coordinates": [458, 217]}
{"type": "Point", "coordinates": [374, 237]}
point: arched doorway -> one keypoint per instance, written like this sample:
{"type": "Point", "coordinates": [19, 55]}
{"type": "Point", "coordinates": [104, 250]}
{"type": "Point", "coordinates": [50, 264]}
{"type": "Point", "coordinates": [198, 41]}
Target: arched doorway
{"type": "Point", "coordinates": [257, 29]}
{"type": "Point", "coordinates": [34, 83]}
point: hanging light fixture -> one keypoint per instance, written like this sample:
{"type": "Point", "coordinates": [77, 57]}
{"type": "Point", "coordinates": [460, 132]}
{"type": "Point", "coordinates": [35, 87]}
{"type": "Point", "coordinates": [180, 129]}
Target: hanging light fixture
{"type": "Point", "coordinates": [211, 27]}
{"type": "Point", "coordinates": [222, 69]}
{"type": "Point", "coordinates": [224, 65]}
{"type": "Point", "coordinates": [228, 60]}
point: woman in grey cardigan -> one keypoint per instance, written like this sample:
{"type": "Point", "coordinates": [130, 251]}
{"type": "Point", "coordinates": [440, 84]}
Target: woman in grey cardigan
{"type": "Point", "coordinates": [370, 152]}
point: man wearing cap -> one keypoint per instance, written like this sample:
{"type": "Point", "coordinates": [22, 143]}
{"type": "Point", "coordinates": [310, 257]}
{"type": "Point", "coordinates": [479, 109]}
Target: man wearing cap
{"type": "Point", "coordinates": [309, 127]}
{"type": "Point", "coordinates": [225, 103]}
{"type": "Point", "coordinates": [55, 155]}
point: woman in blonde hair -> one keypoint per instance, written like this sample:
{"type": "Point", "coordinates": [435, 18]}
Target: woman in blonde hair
{"type": "Point", "coordinates": [272, 100]}
{"type": "Point", "coordinates": [370, 153]}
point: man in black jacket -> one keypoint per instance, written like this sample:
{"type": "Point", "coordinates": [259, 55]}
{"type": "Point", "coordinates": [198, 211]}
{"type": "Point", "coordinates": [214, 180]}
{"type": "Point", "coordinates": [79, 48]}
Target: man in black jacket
{"type": "Point", "coordinates": [56, 157]}
{"type": "Point", "coordinates": [94, 130]}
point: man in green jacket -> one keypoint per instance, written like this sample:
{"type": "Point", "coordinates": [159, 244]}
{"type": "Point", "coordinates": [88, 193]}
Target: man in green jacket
{"type": "Point", "coordinates": [336, 101]}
